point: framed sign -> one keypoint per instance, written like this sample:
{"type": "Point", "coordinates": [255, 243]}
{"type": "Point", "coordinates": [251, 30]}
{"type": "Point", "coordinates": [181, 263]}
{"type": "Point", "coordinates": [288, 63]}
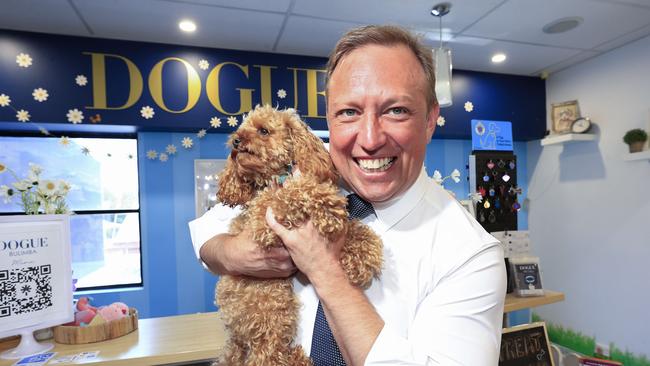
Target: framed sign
{"type": "Point", "coordinates": [563, 115]}
{"type": "Point", "coordinates": [205, 183]}
{"type": "Point", "coordinates": [35, 277]}
{"type": "Point", "coordinates": [526, 345]}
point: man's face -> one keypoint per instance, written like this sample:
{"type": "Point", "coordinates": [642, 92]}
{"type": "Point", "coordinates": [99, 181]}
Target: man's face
{"type": "Point", "coordinates": [378, 121]}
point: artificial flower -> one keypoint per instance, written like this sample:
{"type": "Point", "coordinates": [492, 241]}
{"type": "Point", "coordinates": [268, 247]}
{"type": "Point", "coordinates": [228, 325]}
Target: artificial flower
{"type": "Point", "coordinates": [147, 112]}
{"type": "Point", "coordinates": [187, 142]}
{"type": "Point", "coordinates": [24, 60]}
{"type": "Point", "coordinates": [23, 115]}
{"type": "Point", "coordinates": [75, 116]}
{"type": "Point", "coordinates": [40, 94]}
{"type": "Point", "coordinates": [4, 100]}
{"type": "Point", "coordinates": [215, 122]}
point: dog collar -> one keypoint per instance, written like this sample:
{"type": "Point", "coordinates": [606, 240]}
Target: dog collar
{"type": "Point", "coordinates": [283, 177]}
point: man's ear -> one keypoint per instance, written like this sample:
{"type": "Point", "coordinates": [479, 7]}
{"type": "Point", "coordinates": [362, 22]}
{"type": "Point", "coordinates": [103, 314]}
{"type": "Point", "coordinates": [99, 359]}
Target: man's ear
{"type": "Point", "coordinates": [432, 120]}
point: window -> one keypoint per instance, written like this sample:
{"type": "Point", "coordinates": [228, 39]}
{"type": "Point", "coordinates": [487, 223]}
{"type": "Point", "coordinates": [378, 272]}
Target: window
{"type": "Point", "coordinates": [105, 229]}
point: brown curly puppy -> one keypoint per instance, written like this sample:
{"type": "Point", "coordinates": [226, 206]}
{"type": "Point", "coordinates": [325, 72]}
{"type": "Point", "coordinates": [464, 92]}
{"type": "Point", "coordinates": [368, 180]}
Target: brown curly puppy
{"type": "Point", "coordinates": [261, 316]}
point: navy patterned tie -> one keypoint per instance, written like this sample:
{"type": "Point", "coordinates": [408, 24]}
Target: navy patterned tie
{"type": "Point", "coordinates": [324, 350]}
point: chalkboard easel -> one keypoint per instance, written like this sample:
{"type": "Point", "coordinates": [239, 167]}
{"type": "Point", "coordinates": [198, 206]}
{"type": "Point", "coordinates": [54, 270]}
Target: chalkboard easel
{"type": "Point", "coordinates": [526, 345]}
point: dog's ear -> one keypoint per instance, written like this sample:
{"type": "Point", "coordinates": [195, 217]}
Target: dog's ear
{"type": "Point", "coordinates": [309, 152]}
{"type": "Point", "coordinates": [233, 190]}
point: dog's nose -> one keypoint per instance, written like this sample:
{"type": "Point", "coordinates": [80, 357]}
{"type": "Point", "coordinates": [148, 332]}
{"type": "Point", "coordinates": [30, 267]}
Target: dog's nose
{"type": "Point", "coordinates": [236, 142]}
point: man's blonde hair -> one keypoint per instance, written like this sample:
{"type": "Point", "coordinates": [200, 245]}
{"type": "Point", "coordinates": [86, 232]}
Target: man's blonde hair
{"type": "Point", "coordinates": [386, 35]}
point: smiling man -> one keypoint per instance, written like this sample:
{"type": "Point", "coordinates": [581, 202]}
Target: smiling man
{"type": "Point", "coordinates": [440, 298]}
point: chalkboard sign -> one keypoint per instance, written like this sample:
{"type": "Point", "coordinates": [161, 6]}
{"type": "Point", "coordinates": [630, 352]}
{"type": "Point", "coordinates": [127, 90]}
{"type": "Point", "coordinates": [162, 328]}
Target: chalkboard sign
{"type": "Point", "coordinates": [525, 345]}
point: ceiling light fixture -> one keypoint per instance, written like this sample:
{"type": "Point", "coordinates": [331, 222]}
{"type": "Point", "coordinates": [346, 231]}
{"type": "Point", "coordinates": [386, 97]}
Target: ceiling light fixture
{"type": "Point", "coordinates": [498, 58]}
{"type": "Point", "coordinates": [442, 60]}
{"type": "Point", "coordinates": [562, 25]}
{"type": "Point", "coordinates": [187, 26]}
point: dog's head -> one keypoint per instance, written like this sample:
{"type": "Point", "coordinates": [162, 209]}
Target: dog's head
{"type": "Point", "coordinates": [267, 144]}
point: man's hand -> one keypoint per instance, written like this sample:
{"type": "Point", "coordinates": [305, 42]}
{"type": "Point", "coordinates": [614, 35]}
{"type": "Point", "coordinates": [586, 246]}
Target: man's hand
{"type": "Point", "coordinates": [239, 255]}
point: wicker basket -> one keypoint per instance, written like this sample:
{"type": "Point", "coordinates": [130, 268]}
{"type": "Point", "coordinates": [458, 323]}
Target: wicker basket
{"type": "Point", "coordinates": [96, 333]}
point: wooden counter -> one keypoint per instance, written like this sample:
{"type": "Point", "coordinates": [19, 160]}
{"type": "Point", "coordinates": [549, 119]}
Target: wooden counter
{"type": "Point", "coordinates": [175, 339]}
{"type": "Point", "coordinates": [518, 303]}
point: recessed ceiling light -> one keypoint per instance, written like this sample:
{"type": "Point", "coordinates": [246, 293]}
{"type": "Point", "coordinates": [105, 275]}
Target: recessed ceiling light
{"type": "Point", "coordinates": [562, 25]}
{"type": "Point", "coordinates": [498, 58]}
{"type": "Point", "coordinates": [187, 26]}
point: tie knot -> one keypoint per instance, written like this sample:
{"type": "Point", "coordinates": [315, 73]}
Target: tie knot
{"type": "Point", "coordinates": [358, 208]}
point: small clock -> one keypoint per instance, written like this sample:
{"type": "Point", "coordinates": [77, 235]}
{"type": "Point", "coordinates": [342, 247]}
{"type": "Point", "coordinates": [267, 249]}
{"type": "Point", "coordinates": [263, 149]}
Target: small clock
{"type": "Point", "coordinates": [581, 125]}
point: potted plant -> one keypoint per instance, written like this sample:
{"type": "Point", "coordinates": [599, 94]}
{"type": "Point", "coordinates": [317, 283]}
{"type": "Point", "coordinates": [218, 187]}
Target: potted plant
{"type": "Point", "coordinates": [636, 138]}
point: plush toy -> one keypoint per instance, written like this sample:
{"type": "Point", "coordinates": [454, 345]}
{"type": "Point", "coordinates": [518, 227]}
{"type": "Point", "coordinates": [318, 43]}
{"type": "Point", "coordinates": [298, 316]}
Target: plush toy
{"type": "Point", "coordinates": [86, 314]}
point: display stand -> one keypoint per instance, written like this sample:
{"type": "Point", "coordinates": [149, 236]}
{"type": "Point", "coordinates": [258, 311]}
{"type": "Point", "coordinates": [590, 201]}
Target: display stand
{"type": "Point", "coordinates": [28, 346]}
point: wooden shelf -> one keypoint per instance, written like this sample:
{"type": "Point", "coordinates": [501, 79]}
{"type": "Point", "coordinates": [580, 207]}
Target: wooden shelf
{"type": "Point", "coordinates": [514, 303]}
{"type": "Point", "coordinates": [643, 155]}
{"type": "Point", "coordinates": [566, 138]}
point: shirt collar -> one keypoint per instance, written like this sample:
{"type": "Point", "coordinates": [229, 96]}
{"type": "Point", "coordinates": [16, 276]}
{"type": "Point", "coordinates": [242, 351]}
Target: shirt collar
{"type": "Point", "coordinates": [391, 212]}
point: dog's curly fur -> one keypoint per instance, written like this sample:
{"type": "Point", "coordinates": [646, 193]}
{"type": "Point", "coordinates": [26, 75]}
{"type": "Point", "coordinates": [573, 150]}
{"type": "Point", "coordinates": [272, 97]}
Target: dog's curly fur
{"type": "Point", "coordinates": [261, 316]}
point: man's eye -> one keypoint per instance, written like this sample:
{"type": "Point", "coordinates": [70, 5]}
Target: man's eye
{"type": "Point", "coordinates": [263, 131]}
{"type": "Point", "coordinates": [348, 112]}
{"type": "Point", "coordinates": [398, 110]}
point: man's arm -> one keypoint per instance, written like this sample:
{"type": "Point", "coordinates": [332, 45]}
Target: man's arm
{"type": "Point", "coordinates": [239, 255]}
{"type": "Point", "coordinates": [353, 320]}
{"type": "Point", "coordinates": [223, 253]}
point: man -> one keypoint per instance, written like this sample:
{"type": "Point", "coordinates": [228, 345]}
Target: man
{"type": "Point", "coordinates": [440, 298]}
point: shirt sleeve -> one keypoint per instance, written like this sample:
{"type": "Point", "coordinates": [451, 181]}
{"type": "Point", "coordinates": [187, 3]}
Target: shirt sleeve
{"type": "Point", "coordinates": [215, 221]}
{"type": "Point", "coordinates": [458, 323]}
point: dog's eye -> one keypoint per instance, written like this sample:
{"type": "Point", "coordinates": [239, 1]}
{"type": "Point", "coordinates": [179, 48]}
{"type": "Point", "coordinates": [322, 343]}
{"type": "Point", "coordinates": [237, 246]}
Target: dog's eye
{"type": "Point", "coordinates": [263, 131]}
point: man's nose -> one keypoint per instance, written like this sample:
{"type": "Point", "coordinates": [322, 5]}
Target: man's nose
{"type": "Point", "coordinates": [371, 134]}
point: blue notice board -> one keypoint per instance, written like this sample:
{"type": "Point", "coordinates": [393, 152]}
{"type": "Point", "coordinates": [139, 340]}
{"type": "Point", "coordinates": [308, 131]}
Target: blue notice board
{"type": "Point", "coordinates": [491, 135]}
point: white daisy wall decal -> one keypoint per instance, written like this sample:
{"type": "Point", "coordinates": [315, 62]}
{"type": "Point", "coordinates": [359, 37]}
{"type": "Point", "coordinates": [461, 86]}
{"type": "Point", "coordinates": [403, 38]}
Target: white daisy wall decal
{"type": "Point", "coordinates": [75, 116]}
{"type": "Point", "coordinates": [187, 142]}
{"type": "Point", "coordinates": [81, 80]}
{"type": "Point", "coordinates": [4, 100]}
{"type": "Point", "coordinates": [441, 121]}
{"type": "Point", "coordinates": [282, 93]}
{"type": "Point", "coordinates": [163, 157]}
{"type": "Point", "coordinates": [215, 122]}
{"type": "Point", "coordinates": [40, 94]}
{"type": "Point", "coordinates": [23, 115]}
{"type": "Point", "coordinates": [24, 60]}
{"type": "Point", "coordinates": [232, 121]}
{"type": "Point", "coordinates": [204, 64]}
{"type": "Point", "coordinates": [64, 141]}
{"type": "Point", "coordinates": [201, 133]}
{"type": "Point", "coordinates": [171, 149]}
{"type": "Point", "coordinates": [469, 106]}
{"type": "Point", "coordinates": [152, 154]}
{"type": "Point", "coordinates": [147, 112]}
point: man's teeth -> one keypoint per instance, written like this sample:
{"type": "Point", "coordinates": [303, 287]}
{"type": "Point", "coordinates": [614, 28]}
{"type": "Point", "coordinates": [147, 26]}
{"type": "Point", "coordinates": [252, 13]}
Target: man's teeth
{"type": "Point", "coordinates": [376, 164]}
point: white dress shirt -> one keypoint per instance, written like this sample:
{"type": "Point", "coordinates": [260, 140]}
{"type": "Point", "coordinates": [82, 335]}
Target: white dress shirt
{"type": "Point", "coordinates": [442, 287]}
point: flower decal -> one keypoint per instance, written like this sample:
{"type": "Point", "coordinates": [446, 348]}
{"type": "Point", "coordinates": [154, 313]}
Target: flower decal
{"type": "Point", "coordinates": [171, 149]}
{"type": "Point", "coordinates": [163, 157]}
{"type": "Point", "coordinates": [40, 95]}
{"type": "Point", "coordinates": [23, 115]}
{"type": "Point", "coordinates": [215, 122]}
{"type": "Point", "coordinates": [4, 100]}
{"type": "Point", "coordinates": [152, 154]}
{"type": "Point", "coordinates": [187, 142]}
{"type": "Point", "coordinates": [147, 112]}
{"type": "Point", "coordinates": [282, 93]}
{"type": "Point", "coordinates": [64, 141]}
{"type": "Point", "coordinates": [204, 64]}
{"type": "Point", "coordinates": [201, 133]}
{"type": "Point", "coordinates": [441, 121]}
{"type": "Point", "coordinates": [232, 121]}
{"type": "Point", "coordinates": [469, 106]}
{"type": "Point", "coordinates": [81, 80]}
{"type": "Point", "coordinates": [75, 116]}
{"type": "Point", "coordinates": [24, 60]}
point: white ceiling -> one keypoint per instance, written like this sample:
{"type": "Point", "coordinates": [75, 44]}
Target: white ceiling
{"type": "Point", "coordinates": [474, 29]}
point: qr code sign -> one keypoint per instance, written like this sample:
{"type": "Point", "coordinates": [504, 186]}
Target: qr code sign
{"type": "Point", "coordinates": [25, 290]}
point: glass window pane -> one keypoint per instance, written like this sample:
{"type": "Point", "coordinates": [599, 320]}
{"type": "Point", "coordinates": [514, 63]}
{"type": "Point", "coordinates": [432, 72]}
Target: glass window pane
{"type": "Point", "coordinates": [106, 249]}
{"type": "Point", "coordinates": [105, 178]}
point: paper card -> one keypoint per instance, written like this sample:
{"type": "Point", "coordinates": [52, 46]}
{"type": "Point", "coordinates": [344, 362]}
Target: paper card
{"type": "Point", "coordinates": [35, 360]}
